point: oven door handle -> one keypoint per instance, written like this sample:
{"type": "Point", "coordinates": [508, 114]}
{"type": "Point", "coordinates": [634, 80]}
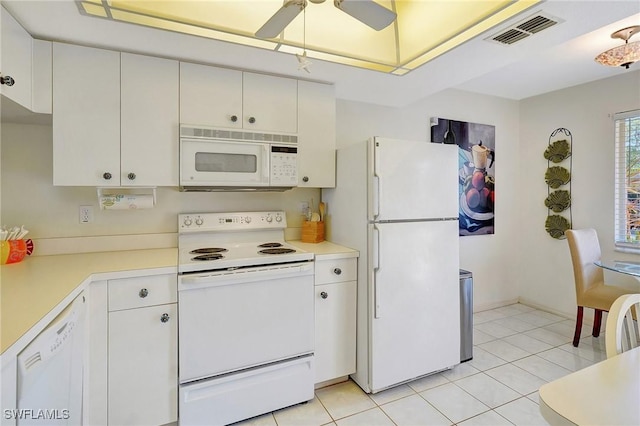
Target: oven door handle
{"type": "Point", "coordinates": [222, 278]}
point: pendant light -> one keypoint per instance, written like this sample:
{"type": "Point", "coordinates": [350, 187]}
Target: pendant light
{"type": "Point", "coordinates": [624, 55]}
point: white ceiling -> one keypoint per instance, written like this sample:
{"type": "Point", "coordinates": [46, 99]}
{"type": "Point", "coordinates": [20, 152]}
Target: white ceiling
{"type": "Point", "coordinates": [558, 57]}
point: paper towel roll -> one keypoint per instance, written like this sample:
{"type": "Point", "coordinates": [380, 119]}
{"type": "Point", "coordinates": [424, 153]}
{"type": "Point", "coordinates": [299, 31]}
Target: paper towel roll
{"type": "Point", "coordinates": [126, 201]}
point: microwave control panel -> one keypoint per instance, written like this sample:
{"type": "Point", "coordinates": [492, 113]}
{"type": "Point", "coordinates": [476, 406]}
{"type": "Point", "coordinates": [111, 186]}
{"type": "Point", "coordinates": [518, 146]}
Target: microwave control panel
{"type": "Point", "coordinates": [284, 166]}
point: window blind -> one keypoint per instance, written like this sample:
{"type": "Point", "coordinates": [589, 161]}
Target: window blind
{"type": "Point", "coordinates": [627, 179]}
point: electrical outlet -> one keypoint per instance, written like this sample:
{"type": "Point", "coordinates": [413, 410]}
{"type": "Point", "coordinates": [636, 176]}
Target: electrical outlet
{"type": "Point", "coordinates": [86, 214]}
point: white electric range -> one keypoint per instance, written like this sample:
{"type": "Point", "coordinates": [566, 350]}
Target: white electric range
{"type": "Point", "coordinates": [246, 317]}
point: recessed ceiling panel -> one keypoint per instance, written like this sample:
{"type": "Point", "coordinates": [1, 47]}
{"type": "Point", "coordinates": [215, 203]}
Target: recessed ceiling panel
{"type": "Point", "coordinates": [423, 30]}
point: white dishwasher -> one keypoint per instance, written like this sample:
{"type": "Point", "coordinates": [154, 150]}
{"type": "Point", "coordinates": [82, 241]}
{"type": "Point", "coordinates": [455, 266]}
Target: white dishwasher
{"type": "Point", "coordinates": [50, 371]}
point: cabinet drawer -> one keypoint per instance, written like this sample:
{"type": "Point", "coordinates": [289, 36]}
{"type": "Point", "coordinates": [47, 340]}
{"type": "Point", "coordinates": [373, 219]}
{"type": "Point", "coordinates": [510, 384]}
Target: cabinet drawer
{"type": "Point", "coordinates": [137, 292]}
{"type": "Point", "coordinates": [336, 270]}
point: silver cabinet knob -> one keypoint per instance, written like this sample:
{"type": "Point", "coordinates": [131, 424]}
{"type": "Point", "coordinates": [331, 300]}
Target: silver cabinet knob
{"type": "Point", "coordinates": [143, 293]}
{"type": "Point", "coordinates": [337, 271]}
{"type": "Point", "coordinates": [106, 175]}
{"type": "Point", "coordinates": [305, 179]}
{"type": "Point", "coordinates": [252, 120]}
{"type": "Point", "coordinates": [324, 294]}
{"type": "Point", "coordinates": [131, 176]}
{"type": "Point", "coordinates": [234, 118]}
{"type": "Point", "coordinates": [164, 318]}
{"type": "Point", "coordinates": [7, 79]}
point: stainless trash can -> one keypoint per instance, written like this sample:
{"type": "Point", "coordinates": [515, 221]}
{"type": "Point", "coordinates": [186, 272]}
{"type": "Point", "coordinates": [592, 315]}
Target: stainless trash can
{"type": "Point", "coordinates": [466, 315]}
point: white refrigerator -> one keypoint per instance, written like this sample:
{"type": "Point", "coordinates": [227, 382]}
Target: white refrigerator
{"type": "Point", "coordinates": [397, 203]}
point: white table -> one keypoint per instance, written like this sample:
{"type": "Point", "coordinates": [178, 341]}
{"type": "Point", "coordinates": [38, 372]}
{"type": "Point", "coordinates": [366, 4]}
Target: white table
{"type": "Point", "coordinates": [606, 393]}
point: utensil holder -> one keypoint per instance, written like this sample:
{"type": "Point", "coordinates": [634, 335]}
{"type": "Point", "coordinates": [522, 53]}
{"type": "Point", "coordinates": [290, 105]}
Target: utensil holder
{"type": "Point", "coordinates": [13, 251]}
{"type": "Point", "coordinates": [312, 232]}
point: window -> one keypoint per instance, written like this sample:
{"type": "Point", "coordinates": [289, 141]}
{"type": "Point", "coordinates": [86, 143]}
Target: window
{"type": "Point", "coordinates": [627, 169]}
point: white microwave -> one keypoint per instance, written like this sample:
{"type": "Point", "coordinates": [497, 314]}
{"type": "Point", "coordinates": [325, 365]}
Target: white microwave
{"type": "Point", "coordinates": [234, 160]}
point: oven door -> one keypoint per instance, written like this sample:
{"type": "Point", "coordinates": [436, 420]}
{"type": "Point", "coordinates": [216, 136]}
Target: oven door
{"type": "Point", "coordinates": [219, 163]}
{"type": "Point", "coordinates": [233, 320]}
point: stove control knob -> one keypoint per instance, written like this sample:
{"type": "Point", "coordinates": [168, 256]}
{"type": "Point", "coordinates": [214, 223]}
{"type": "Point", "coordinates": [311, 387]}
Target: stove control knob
{"type": "Point", "coordinates": [278, 218]}
{"type": "Point", "coordinates": [188, 222]}
{"type": "Point", "coordinates": [199, 221]}
{"type": "Point", "coordinates": [269, 219]}
{"type": "Point", "coordinates": [247, 219]}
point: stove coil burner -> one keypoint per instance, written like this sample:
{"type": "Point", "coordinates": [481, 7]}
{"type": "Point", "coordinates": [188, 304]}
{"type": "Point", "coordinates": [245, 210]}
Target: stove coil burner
{"type": "Point", "coordinates": [208, 250]}
{"type": "Point", "coordinates": [208, 256]}
{"type": "Point", "coordinates": [282, 250]}
{"type": "Point", "coordinates": [266, 245]}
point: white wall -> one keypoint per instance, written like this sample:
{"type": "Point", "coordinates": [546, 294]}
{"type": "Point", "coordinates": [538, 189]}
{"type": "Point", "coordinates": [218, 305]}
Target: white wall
{"type": "Point", "coordinates": [546, 275]}
{"type": "Point", "coordinates": [29, 197]}
{"type": "Point", "coordinates": [491, 258]}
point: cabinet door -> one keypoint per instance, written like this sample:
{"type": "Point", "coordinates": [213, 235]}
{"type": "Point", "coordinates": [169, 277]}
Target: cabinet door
{"type": "Point", "coordinates": [42, 81]}
{"type": "Point", "coordinates": [143, 366]}
{"type": "Point", "coordinates": [210, 96]}
{"type": "Point", "coordinates": [316, 135]}
{"type": "Point", "coordinates": [149, 118]}
{"type": "Point", "coordinates": [271, 102]}
{"type": "Point", "coordinates": [86, 116]}
{"type": "Point", "coordinates": [335, 325]}
{"type": "Point", "coordinates": [16, 60]}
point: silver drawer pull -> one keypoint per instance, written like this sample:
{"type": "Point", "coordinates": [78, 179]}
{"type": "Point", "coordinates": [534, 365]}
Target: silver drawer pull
{"type": "Point", "coordinates": [143, 293]}
{"type": "Point", "coordinates": [164, 318]}
{"type": "Point", "coordinates": [337, 271]}
{"type": "Point", "coordinates": [324, 294]}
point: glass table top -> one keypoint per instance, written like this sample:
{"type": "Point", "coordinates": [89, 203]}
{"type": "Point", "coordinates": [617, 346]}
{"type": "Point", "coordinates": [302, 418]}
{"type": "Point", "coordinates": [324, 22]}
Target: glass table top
{"type": "Point", "coordinates": [623, 266]}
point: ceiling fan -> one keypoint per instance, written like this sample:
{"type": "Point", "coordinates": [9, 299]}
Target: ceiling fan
{"type": "Point", "coordinates": [366, 11]}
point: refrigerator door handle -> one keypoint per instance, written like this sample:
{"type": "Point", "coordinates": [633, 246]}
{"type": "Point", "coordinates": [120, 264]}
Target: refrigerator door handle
{"type": "Point", "coordinates": [376, 266]}
{"type": "Point", "coordinates": [376, 197]}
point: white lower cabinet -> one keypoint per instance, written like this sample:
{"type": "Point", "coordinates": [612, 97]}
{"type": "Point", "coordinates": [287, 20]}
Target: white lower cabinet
{"type": "Point", "coordinates": [335, 318]}
{"type": "Point", "coordinates": [142, 378]}
{"type": "Point", "coordinates": [143, 369]}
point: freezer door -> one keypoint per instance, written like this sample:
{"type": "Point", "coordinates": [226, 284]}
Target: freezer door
{"type": "Point", "coordinates": [413, 180]}
{"type": "Point", "coordinates": [415, 321]}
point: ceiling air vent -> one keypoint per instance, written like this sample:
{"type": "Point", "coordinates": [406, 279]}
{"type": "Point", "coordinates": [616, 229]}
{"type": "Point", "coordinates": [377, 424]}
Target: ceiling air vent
{"type": "Point", "coordinates": [528, 27]}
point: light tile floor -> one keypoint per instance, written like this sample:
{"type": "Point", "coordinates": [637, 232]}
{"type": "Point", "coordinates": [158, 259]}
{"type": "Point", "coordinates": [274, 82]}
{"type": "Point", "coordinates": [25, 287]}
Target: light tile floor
{"type": "Point", "coordinates": [516, 350]}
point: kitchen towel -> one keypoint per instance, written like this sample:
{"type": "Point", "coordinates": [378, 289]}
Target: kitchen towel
{"type": "Point", "coordinates": [126, 201]}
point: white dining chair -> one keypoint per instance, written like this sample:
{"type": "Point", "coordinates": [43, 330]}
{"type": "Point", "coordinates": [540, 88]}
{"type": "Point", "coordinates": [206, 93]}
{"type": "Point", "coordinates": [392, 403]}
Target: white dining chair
{"type": "Point", "coordinates": [621, 330]}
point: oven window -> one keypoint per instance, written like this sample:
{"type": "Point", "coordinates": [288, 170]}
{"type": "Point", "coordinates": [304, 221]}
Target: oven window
{"type": "Point", "coordinates": [226, 163]}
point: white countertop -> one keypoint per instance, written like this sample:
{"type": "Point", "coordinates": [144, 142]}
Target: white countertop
{"type": "Point", "coordinates": [326, 250]}
{"type": "Point", "coordinates": [29, 290]}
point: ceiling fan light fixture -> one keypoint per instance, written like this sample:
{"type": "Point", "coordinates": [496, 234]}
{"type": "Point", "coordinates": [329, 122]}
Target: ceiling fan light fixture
{"type": "Point", "coordinates": [624, 55]}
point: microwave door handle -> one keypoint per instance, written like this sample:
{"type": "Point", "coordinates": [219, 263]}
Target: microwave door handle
{"type": "Point", "coordinates": [266, 159]}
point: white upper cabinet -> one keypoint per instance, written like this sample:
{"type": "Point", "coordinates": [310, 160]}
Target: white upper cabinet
{"type": "Point", "coordinates": [42, 83]}
{"type": "Point", "coordinates": [316, 135]}
{"type": "Point", "coordinates": [115, 120]}
{"type": "Point", "coordinates": [221, 97]}
{"type": "Point", "coordinates": [149, 120]}
{"type": "Point", "coordinates": [210, 96]}
{"type": "Point", "coordinates": [269, 103]}
{"type": "Point", "coordinates": [16, 60]}
{"type": "Point", "coordinates": [86, 116]}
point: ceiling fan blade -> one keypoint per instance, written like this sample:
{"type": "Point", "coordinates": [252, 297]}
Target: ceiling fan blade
{"type": "Point", "coordinates": [283, 17]}
{"type": "Point", "coordinates": [368, 12]}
